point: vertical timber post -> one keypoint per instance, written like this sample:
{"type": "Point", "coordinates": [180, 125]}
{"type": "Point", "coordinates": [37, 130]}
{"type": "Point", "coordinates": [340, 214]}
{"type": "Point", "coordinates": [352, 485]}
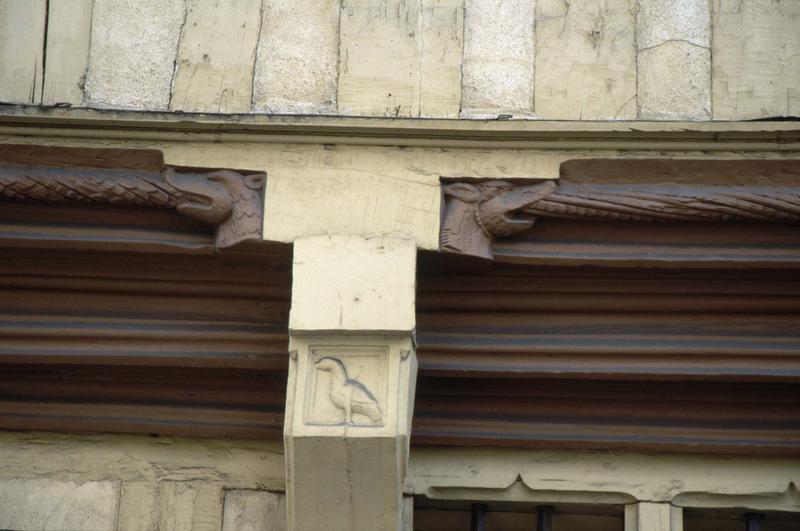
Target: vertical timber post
{"type": "Point", "coordinates": [352, 374]}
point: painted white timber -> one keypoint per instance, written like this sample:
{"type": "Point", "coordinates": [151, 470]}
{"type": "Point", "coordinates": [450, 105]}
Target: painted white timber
{"type": "Point", "coordinates": [653, 517]}
{"type": "Point", "coordinates": [69, 25]}
{"type": "Point", "coordinates": [22, 25]}
{"type": "Point", "coordinates": [585, 60]}
{"type": "Point", "coordinates": [216, 55]}
{"type": "Point", "coordinates": [756, 51]}
{"type": "Point", "coordinates": [353, 283]}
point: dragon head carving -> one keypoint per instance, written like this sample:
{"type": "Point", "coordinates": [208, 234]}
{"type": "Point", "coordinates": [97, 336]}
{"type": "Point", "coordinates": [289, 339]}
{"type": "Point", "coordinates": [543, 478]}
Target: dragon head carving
{"type": "Point", "coordinates": [477, 213]}
{"type": "Point", "coordinates": [226, 199]}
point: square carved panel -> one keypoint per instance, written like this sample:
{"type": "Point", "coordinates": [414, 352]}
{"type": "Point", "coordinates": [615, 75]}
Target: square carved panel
{"type": "Point", "coordinates": [347, 386]}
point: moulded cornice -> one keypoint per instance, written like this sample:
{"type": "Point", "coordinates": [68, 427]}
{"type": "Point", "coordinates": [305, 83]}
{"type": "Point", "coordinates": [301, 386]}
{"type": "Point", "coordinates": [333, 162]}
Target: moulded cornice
{"type": "Point", "coordinates": [447, 133]}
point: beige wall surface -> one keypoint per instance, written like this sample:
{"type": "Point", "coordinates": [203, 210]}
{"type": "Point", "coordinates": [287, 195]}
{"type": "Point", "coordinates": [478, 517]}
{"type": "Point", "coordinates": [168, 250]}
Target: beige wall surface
{"type": "Point", "coordinates": [535, 59]}
{"type": "Point", "coordinates": [67, 482]}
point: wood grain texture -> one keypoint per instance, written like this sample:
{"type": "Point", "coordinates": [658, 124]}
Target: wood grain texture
{"type": "Point", "coordinates": [144, 343]}
{"type": "Point", "coordinates": [229, 201]}
{"type": "Point", "coordinates": [400, 58]}
{"type": "Point", "coordinates": [686, 361]}
{"type": "Point", "coordinates": [652, 202]}
{"type": "Point", "coordinates": [756, 59]}
{"type": "Point", "coordinates": [68, 31]}
{"type": "Point", "coordinates": [585, 60]}
{"type": "Point", "coordinates": [216, 57]}
{"type": "Point", "coordinates": [22, 27]}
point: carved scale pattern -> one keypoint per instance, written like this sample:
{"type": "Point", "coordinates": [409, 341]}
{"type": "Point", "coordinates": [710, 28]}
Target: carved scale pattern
{"type": "Point", "coordinates": [230, 201]}
{"type": "Point", "coordinates": [662, 204]}
{"type": "Point", "coordinates": [477, 213]}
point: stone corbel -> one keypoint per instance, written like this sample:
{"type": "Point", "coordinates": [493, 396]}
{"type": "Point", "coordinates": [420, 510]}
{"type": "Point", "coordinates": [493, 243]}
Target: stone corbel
{"type": "Point", "coordinates": [230, 202]}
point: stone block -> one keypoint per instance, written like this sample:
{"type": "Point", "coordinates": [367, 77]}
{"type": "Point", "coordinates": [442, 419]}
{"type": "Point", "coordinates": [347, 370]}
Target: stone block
{"type": "Point", "coordinates": [296, 63]}
{"type": "Point", "coordinates": [254, 510]}
{"type": "Point", "coordinates": [68, 30]}
{"type": "Point", "coordinates": [585, 60]}
{"type": "Point", "coordinates": [498, 58]}
{"type": "Point", "coordinates": [674, 82]}
{"type": "Point", "coordinates": [216, 55]}
{"type": "Point", "coordinates": [55, 505]}
{"type": "Point", "coordinates": [353, 283]}
{"type": "Point", "coordinates": [132, 53]}
{"type": "Point", "coordinates": [756, 59]}
{"type": "Point", "coordinates": [22, 25]}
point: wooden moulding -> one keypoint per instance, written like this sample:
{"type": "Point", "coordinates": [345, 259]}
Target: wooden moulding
{"type": "Point", "coordinates": [633, 212]}
{"type": "Point", "coordinates": [144, 343]}
{"type": "Point", "coordinates": [675, 360]}
{"type": "Point", "coordinates": [229, 203]}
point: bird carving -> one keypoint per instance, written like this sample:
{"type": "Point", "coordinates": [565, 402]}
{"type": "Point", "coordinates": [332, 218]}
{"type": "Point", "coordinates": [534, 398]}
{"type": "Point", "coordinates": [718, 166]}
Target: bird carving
{"type": "Point", "coordinates": [348, 394]}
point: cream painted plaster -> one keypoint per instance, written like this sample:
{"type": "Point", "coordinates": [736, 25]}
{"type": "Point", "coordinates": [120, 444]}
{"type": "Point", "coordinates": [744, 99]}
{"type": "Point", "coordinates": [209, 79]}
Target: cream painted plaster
{"type": "Point", "coordinates": [132, 53]}
{"type": "Point", "coordinates": [172, 483]}
{"type": "Point", "coordinates": [298, 52]}
{"type": "Point", "coordinates": [586, 477]}
{"type": "Point", "coordinates": [498, 58]}
{"type": "Point", "coordinates": [674, 59]}
{"type": "Point", "coordinates": [53, 505]}
{"type": "Point", "coordinates": [353, 283]}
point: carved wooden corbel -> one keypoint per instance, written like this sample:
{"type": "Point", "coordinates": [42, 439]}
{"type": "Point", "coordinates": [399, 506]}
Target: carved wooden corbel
{"type": "Point", "coordinates": [477, 213]}
{"type": "Point", "coordinates": [229, 201]}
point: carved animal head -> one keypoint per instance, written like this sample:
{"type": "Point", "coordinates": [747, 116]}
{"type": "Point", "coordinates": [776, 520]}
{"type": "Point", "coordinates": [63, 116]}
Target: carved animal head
{"type": "Point", "coordinates": [230, 200]}
{"type": "Point", "coordinates": [475, 214]}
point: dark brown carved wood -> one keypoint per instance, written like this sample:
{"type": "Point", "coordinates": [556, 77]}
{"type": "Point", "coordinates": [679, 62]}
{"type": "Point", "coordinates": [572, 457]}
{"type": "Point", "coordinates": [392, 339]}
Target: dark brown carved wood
{"type": "Point", "coordinates": [144, 343]}
{"type": "Point", "coordinates": [228, 201]}
{"type": "Point", "coordinates": [632, 191]}
{"type": "Point", "coordinates": [679, 360]}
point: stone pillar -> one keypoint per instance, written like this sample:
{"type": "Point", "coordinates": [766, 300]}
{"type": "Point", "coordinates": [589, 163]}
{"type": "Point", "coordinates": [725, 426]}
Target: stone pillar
{"type": "Point", "coordinates": [351, 383]}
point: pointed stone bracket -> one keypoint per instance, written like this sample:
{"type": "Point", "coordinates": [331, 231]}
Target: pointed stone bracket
{"type": "Point", "coordinates": [230, 202]}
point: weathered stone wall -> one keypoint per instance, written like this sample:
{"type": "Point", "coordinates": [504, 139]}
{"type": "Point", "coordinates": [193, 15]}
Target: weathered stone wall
{"type": "Point", "coordinates": [543, 59]}
{"type": "Point", "coordinates": [68, 482]}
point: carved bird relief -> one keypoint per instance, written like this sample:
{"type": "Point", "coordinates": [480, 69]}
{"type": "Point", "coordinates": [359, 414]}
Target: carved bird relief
{"type": "Point", "coordinates": [347, 394]}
